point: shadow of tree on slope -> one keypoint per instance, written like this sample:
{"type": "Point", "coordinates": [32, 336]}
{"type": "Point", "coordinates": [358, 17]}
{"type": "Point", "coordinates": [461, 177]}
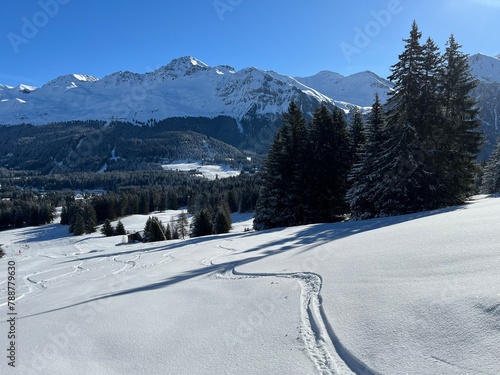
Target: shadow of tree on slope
{"type": "Point", "coordinates": [308, 237]}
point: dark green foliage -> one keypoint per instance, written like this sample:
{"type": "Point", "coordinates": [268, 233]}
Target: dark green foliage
{"type": "Point", "coordinates": [329, 163]}
{"type": "Point", "coordinates": [202, 224]}
{"type": "Point", "coordinates": [430, 144]}
{"type": "Point", "coordinates": [305, 172]}
{"type": "Point", "coordinates": [365, 174]}
{"type": "Point", "coordinates": [120, 229]}
{"type": "Point", "coordinates": [107, 229]}
{"type": "Point", "coordinates": [88, 145]}
{"type": "Point", "coordinates": [356, 135]}
{"type": "Point", "coordinates": [154, 230]}
{"type": "Point", "coordinates": [491, 177]}
{"type": "Point", "coordinates": [222, 219]}
{"type": "Point", "coordinates": [26, 209]}
{"type": "Point", "coordinates": [284, 173]}
{"type": "Point", "coordinates": [81, 217]}
{"type": "Point", "coordinates": [78, 227]}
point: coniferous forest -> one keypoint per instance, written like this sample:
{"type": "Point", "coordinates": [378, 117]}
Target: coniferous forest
{"type": "Point", "coordinates": [417, 152]}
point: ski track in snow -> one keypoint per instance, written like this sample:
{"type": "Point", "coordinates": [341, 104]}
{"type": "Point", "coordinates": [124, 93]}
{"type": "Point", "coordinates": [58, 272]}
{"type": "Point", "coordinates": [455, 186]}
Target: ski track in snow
{"type": "Point", "coordinates": [322, 344]}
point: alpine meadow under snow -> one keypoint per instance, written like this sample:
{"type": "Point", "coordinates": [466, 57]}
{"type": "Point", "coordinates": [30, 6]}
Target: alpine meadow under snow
{"type": "Point", "coordinates": [413, 294]}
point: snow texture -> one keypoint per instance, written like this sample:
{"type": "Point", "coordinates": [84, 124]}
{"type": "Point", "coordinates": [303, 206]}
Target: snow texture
{"type": "Point", "coordinates": [413, 294]}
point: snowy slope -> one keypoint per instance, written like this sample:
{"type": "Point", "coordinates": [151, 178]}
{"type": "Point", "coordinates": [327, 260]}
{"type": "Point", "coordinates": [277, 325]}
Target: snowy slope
{"type": "Point", "coordinates": [415, 294]}
{"type": "Point", "coordinates": [184, 87]}
{"type": "Point", "coordinates": [359, 88]}
{"type": "Point", "coordinates": [485, 68]}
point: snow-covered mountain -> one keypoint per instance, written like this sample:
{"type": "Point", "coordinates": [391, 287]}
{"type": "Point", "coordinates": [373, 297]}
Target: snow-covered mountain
{"type": "Point", "coordinates": [485, 68]}
{"type": "Point", "coordinates": [359, 88]}
{"type": "Point", "coordinates": [184, 87]}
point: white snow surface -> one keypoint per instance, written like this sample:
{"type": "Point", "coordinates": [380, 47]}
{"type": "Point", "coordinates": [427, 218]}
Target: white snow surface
{"type": "Point", "coordinates": [485, 68]}
{"type": "Point", "coordinates": [206, 170]}
{"type": "Point", "coordinates": [359, 88]}
{"type": "Point", "coordinates": [414, 294]}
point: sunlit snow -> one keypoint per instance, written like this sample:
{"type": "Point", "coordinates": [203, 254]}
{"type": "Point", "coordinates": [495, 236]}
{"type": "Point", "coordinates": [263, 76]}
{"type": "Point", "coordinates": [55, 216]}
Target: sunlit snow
{"type": "Point", "coordinates": [414, 294]}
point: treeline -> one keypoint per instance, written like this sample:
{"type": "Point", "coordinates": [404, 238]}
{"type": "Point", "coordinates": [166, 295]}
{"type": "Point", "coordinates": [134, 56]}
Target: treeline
{"type": "Point", "coordinates": [416, 153]}
{"type": "Point", "coordinates": [26, 208]}
{"type": "Point", "coordinates": [208, 201]}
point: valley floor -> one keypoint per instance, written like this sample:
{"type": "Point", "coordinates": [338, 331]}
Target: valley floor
{"type": "Point", "coordinates": [415, 294]}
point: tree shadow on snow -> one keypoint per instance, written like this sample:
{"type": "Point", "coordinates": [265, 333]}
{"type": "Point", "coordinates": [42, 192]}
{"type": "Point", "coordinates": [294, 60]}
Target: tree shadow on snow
{"type": "Point", "coordinates": [309, 237]}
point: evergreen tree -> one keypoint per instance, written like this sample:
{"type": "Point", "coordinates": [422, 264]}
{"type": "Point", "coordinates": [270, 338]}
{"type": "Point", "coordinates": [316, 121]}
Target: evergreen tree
{"type": "Point", "coordinates": [120, 229]}
{"type": "Point", "coordinates": [365, 174]}
{"type": "Point", "coordinates": [328, 166]}
{"type": "Point", "coordinates": [89, 218]}
{"type": "Point", "coordinates": [222, 220]}
{"type": "Point", "coordinates": [357, 135]}
{"type": "Point", "coordinates": [147, 236]}
{"type": "Point", "coordinates": [280, 202]}
{"type": "Point", "coordinates": [491, 177]}
{"type": "Point", "coordinates": [463, 139]}
{"type": "Point", "coordinates": [78, 226]}
{"type": "Point", "coordinates": [107, 228]}
{"type": "Point", "coordinates": [202, 224]}
{"type": "Point", "coordinates": [403, 185]}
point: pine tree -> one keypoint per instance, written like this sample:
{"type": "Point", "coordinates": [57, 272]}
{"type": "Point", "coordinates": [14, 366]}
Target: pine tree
{"type": "Point", "coordinates": [107, 228]}
{"type": "Point", "coordinates": [89, 218]}
{"type": "Point", "coordinates": [280, 202]}
{"type": "Point", "coordinates": [328, 167]}
{"type": "Point", "coordinates": [491, 177]}
{"type": "Point", "coordinates": [78, 226]}
{"type": "Point", "coordinates": [222, 220]}
{"type": "Point", "coordinates": [463, 139]}
{"type": "Point", "coordinates": [356, 134]}
{"type": "Point", "coordinates": [120, 229]}
{"type": "Point", "coordinates": [202, 224]}
{"type": "Point", "coordinates": [365, 174]}
{"type": "Point", "coordinates": [403, 186]}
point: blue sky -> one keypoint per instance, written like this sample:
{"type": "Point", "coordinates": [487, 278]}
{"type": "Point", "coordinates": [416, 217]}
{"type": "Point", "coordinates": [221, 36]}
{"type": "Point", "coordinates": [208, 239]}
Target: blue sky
{"type": "Point", "coordinates": [43, 39]}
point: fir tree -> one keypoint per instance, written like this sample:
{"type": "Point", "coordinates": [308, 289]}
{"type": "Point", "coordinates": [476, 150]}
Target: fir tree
{"type": "Point", "coordinates": [120, 229]}
{"type": "Point", "coordinates": [357, 135]}
{"type": "Point", "coordinates": [280, 202]}
{"type": "Point", "coordinates": [403, 186]}
{"type": "Point", "coordinates": [491, 177]}
{"type": "Point", "coordinates": [365, 174]}
{"type": "Point", "coordinates": [222, 220]}
{"type": "Point", "coordinates": [463, 139]}
{"type": "Point", "coordinates": [328, 166]}
{"type": "Point", "coordinates": [202, 224]}
{"type": "Point", "coordinates": [107, 228]}
{"type": "Point", "coordinates": [78, 226]}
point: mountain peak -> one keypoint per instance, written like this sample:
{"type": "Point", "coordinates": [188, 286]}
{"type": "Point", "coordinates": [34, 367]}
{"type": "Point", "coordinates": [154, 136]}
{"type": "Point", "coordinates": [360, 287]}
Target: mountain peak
{"type": "Point", "coordinates": [70, 79]}
{"type": "Point", "coordinates": [484, 67]}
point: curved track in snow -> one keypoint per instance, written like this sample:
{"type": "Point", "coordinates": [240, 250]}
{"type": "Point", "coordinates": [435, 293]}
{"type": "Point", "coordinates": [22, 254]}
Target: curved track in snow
{"type": "Point", "coordinates": [322, 344]}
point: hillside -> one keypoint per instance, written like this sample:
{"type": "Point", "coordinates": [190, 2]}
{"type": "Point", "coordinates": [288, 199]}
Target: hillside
{"type": "Point", "coordinates": [91, 146]}
{"type": "Point", "coordinates": [414, 294]}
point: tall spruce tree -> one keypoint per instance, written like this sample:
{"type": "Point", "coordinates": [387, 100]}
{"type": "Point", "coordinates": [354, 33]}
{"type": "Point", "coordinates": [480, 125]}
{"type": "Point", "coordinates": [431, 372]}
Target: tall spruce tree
{"type": "Point", "coordinates": [403, 185]}
{"type": "Point", "coordinates": [463, 139]}
{"type": "Point", "coordinates": [357, 134]}
{"type": "Point", "coordinates": [491, 177]}
{"type": "Point", "coordinates": [365, 174]}
{"type": "Point", "coordinates": [328, 166]}
{"type": "Point", "coordinates": [280, 202]}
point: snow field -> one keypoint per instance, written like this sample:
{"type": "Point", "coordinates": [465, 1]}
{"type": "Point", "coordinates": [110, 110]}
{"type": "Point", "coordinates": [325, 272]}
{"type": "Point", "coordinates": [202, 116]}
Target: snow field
{"type": "Point", "coordinates": [414, 294]}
